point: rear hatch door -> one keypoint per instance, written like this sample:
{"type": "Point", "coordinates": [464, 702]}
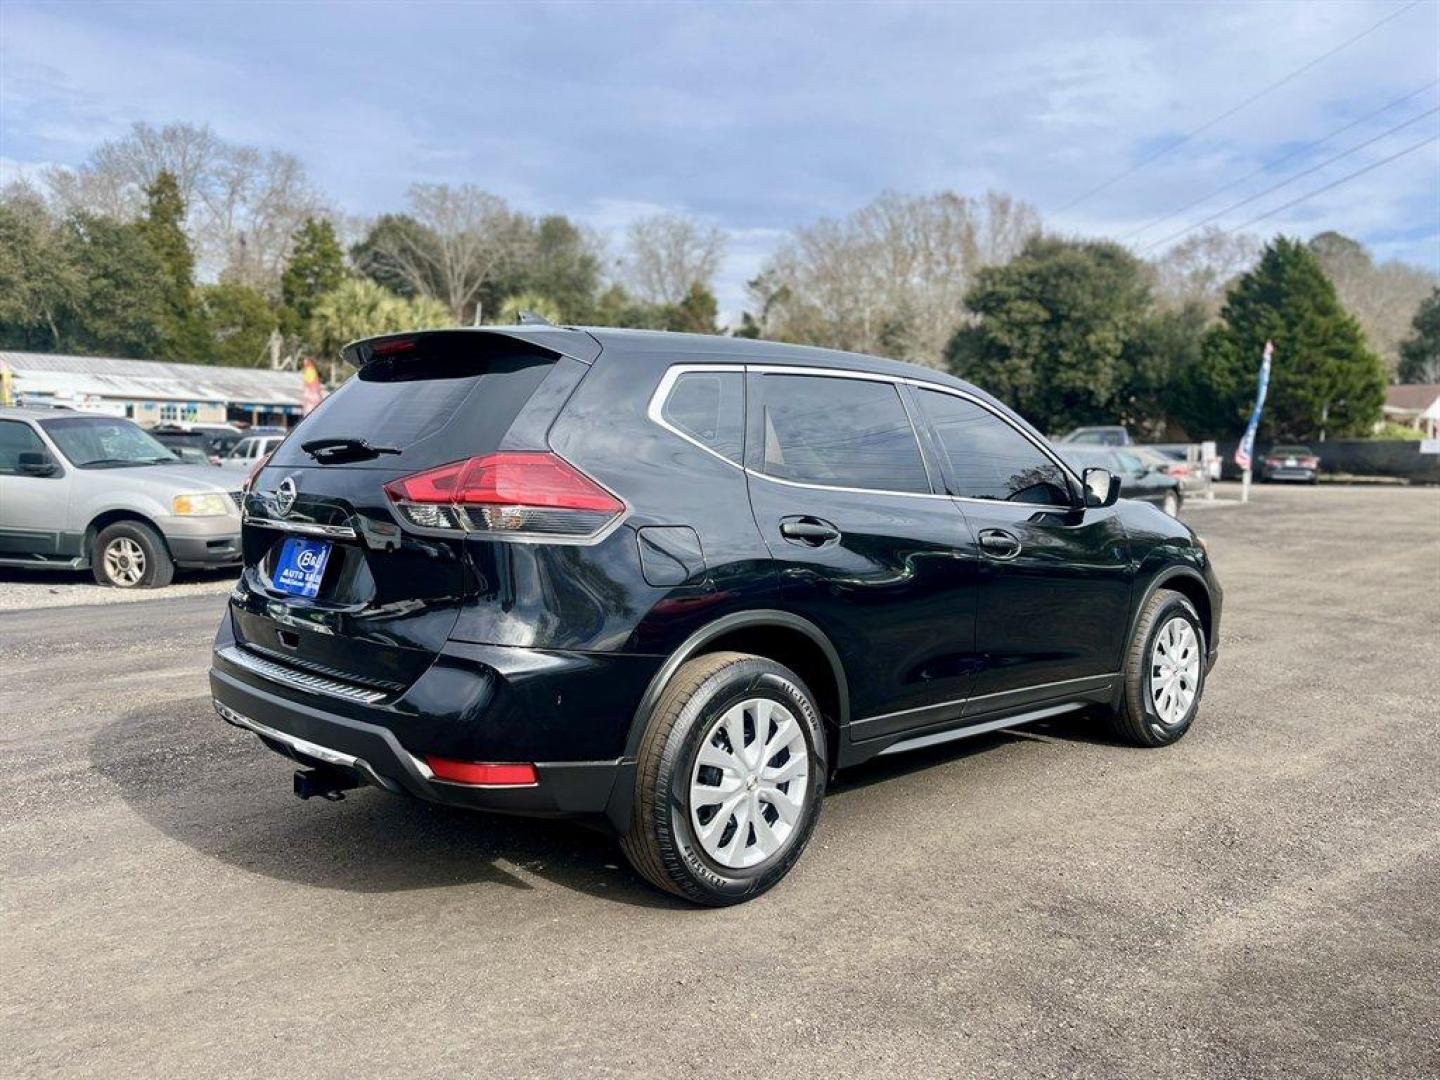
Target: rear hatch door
{"type": "Point", "coordinates": [332, 585]}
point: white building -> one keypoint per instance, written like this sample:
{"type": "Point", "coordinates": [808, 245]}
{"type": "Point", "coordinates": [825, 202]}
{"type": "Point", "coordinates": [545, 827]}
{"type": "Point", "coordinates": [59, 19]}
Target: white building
{"type": "Point", "coordinates": [151, 392]}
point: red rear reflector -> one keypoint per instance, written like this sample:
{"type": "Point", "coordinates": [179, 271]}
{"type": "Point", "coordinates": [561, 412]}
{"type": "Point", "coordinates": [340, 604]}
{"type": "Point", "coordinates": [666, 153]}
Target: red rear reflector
{"type": "Point", "coordinates": [514, 479]}
{"type": "Point", "coordinates": [481, 774]}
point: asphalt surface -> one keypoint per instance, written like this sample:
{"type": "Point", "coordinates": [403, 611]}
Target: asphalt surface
{"type": "Point", "coordinates": [1261, 900]}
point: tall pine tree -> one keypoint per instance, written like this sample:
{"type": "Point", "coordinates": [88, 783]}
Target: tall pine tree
{"type": "Point", "coordinates": [182, 331]}
{"type": "Point", "coordinates": [1324, 379]}
{"type": "Point", "coordinates": [316, 266]}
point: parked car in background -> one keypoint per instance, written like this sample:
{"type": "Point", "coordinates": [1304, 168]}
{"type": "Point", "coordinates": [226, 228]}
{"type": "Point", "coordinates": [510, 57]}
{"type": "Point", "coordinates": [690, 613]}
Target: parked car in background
{"type": "Point", "coordinates": [250, 450]}
{"type": "Point", "coordinates": [219, 438]}
{"type": "Point", "coordinates": [670, 583]}
{"type": "Point", "coordinates": [82, 491]}
{"type": "Point", "coordinates": [1110, 435]}
{"type": "Point", "coordinates": [1139, 480]}
{"type": "Point", "coordinates": [191, 447]}
{"type": "Point", "coordinates": [1291, 462]}
{"type": "Point", "coordinates": [1173, 462]}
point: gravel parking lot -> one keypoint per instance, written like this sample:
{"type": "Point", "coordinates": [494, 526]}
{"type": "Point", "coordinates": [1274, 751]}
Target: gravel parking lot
{"type": "Point", "coordinates": [21, 589]}
{"type": "Point", "coordinates": [1257, 901]}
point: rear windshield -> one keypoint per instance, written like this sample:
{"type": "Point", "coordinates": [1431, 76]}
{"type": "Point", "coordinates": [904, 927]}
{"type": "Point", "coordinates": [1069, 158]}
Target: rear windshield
{"type": "Point", "coordinates": [432, 407]}
{"type": "Point", "coordinates": [1302, 451]}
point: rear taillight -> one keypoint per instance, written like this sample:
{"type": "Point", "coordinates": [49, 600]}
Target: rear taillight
{"type": "Point", "coordinates": [1274, 463]}
{"type": "Point", "coordinates": [512, 494]}
{"type": "Point", "coordinates": [1310, 462]}
{"type": "Point", "coordinates": [250, 480]}
{"type": "Point", "coordinates": [481, 774]}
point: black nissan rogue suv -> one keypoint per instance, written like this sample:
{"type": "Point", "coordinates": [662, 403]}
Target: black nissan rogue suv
{"type": "Point", "coordinates": [670, 583]}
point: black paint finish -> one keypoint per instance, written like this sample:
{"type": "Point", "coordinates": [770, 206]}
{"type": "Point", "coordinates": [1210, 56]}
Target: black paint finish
{"type": "Point", "coordinates": [910, 612]}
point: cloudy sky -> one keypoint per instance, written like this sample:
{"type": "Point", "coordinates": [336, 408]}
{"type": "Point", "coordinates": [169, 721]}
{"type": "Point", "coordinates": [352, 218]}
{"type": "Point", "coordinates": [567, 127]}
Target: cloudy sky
{"type": "Point", "coordinates": [760, 117]}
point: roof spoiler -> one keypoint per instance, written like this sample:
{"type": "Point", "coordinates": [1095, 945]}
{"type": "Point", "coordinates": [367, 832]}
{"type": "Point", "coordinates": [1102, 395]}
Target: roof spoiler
{"type": "Point", "coordinates": [560, 340]}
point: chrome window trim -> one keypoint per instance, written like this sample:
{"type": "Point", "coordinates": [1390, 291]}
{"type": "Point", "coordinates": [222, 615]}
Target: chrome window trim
{"type": "Point", "coordinates": [673, 373]}
{"type": "Point", "coordinates": [655, 410]}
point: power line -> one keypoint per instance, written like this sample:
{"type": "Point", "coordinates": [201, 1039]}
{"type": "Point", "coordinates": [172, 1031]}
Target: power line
{"type": "Point", "coordinates": [1286, 183]}
{"type": "Point", "coordinates": [1235, 109]}
{"type": "Point", "coordinates": [1269, 165]}
{"type": "Point", "coordinates": [1334, 184]}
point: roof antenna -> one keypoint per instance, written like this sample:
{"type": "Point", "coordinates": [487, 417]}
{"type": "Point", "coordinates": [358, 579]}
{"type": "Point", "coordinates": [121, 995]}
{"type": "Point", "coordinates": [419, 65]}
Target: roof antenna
{"type": "Point", "coordinates": [529, 318]}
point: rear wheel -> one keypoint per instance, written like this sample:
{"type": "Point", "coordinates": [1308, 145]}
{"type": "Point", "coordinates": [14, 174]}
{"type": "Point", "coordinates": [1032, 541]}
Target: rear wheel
{"type": "Point", "coordinates": [729, 779]}
{"type": "Point", "coordinates": [1164, 672]}
{"type": "Point", "coordinates": [131, 555]}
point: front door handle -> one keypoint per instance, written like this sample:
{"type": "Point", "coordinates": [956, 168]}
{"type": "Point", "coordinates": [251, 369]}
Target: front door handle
{"type": "Point", "coordinates": [999, 544]}
{"type": "Point", "coordinates": [809, 531]}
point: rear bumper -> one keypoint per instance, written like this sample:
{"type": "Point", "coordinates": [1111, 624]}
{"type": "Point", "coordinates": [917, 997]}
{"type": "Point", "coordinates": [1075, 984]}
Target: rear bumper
{"type": "Point", "coordinates": [1304, 476]}
{"type": "Point", "coordinates": [315, 737]}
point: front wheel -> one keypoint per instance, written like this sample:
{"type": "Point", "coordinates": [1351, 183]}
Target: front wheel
{"type": "Point", "coordinates": [1171, 505]}
{"type": "Point", "coordinates": [1164, 672]}
{"type": "Point", "coordinates": [131, 555]}
{"type": "Point", "coordinates": [729, 778]}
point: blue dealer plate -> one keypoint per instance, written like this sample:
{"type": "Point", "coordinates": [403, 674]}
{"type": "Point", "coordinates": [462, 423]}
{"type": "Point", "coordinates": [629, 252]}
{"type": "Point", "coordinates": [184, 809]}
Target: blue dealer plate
{"type": "Point", "coordinates": [301, 566]}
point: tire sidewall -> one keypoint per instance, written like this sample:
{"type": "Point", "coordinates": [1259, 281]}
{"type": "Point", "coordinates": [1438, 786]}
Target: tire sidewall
{"type": "Point", "coordinates": [1157, 731]}
{"type": "Point", "coordinates": [727, 688]}
{"type": "Point", "coordinates": [148, 542]}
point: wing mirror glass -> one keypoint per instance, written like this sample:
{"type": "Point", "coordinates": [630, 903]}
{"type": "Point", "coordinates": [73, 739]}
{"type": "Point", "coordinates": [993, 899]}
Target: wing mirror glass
{"type": "Point", "coordinates": [35, 463]}
{"type": "Point", "coordinates": [1102, 487]}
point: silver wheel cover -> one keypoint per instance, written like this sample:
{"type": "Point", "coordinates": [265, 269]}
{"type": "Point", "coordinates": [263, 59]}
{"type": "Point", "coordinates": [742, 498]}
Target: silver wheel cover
{"type": "Point", "coordinates": [1174, 670]}
{"type": "Point", "coordinates": [747, 790]}
{"type": "Point", "coordinates": [124, 561]}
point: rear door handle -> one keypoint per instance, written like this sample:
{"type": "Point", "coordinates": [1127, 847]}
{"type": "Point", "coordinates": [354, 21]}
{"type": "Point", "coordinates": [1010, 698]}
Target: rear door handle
{"type": "Point", "coordinates": [999, 544]}
{"type": "Point", "coordinates": [809, 531]}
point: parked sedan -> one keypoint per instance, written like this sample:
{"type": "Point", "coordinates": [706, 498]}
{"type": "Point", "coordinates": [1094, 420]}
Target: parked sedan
{"type": "Point", "coordinates": [1138, 480]}
{"type": "Point", "coordinates": [1297, 463]}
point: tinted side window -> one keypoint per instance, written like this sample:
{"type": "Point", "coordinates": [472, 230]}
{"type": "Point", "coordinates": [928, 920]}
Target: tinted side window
{"type": "Point", "coordinates": [990, 459]}
{"type": "Point", "coordinates": [709, 406]}
{"type": "Point", "coordinates": [840, 432]}
{"type": "Point", "coordinates": [16, 439]}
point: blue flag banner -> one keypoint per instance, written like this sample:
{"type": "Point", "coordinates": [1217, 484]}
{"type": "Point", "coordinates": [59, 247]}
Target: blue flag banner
{"type": "Point", "coordinates": [1246, 449]}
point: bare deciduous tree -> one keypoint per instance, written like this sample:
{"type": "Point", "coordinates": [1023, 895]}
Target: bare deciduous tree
{"type": "Point", "coordinates": [466, 237]}
{"type": "Point", "coordinates": [892, 276]}
{"type": "Point", "coordinates": [1382, 296]}
{"type": "Point", "coordinates": [665, 254]}
{"type": "Point", "coordinates": [1199, 270]}
{"type": "Point", "coordinates": [242, 205]}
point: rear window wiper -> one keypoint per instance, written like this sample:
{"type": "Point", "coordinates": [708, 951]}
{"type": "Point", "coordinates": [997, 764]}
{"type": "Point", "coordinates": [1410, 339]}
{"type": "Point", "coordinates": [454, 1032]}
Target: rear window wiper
{"type": "Point", "coordinates": [344, 449]}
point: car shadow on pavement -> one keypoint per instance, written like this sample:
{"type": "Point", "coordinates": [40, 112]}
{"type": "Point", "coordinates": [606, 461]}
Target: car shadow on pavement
{"type": "Point", "coordinates": [220, 792]}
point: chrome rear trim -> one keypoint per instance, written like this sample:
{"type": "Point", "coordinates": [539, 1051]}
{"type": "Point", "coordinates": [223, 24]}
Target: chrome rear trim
{"type": "Point", "coordinates": [301, 680]}
{"type": "Point", "coordinates": [304, 528]}
{"type": "Point", "coordinates": [304, 746]}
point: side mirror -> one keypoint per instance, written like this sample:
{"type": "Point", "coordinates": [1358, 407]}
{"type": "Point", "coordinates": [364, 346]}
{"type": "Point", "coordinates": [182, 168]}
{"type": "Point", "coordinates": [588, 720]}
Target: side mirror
{"type": "Point", "coordinates": [1102, 487]}
{"type": "Point", "coordinates": [35, 463]}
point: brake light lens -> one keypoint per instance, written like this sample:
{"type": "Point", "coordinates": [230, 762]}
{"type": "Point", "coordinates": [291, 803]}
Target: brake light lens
{"type": "Point", "coordinates": [514, 494]}
{"type": "Point", "coordinates": [250, 480]}
{"type": "Point", "coordinates": [482, 774]}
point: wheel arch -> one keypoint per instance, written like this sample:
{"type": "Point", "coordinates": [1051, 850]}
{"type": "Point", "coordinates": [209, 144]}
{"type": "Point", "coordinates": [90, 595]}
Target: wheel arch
{"type": "Point", "coordinates": [102, 521]}
{"type": "Point", "coordinates": [1189, 583]}
{"type": "Point", "coordinates": [776, 635]}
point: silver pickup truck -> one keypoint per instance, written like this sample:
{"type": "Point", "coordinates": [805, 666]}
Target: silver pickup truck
{"type": "Point", "coordinates": [79, 490]}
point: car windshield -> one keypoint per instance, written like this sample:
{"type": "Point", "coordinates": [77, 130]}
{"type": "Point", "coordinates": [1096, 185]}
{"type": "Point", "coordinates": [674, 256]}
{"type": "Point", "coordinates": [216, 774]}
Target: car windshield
{"type": "Point", "coordinates": [105, 442]}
